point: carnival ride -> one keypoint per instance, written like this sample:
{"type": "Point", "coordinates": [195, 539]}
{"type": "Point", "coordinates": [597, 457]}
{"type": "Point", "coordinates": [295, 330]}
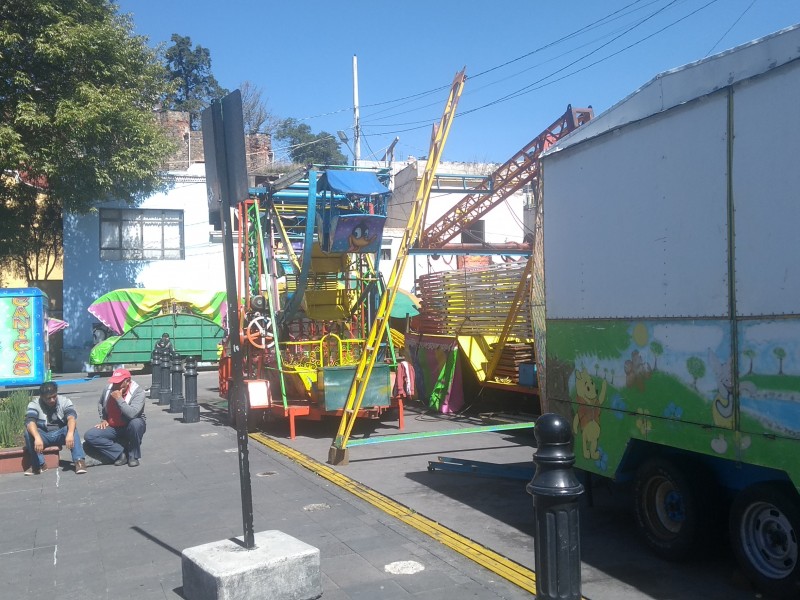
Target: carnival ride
{"type": "Point", "coordinates": [314, 309]}
{"type": "Point", "coordinates": [137, 318]}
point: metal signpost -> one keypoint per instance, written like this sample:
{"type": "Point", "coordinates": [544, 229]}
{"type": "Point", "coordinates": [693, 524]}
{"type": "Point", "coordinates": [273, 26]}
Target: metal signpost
{"type": "Point", "coordinates": [226, 181]}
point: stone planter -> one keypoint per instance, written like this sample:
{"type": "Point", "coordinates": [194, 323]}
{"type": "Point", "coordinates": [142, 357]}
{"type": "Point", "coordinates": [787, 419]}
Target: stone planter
{"type": "Point", "coordinates": [16, 460]}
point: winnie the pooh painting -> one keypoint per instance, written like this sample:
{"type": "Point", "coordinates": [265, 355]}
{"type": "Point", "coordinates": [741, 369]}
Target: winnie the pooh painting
{"type": "Point", "coordinates": [587, 418]}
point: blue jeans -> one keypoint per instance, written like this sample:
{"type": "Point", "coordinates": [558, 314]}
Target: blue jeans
{"type": "Point", "coordinates": [111, 442]}
{"type": "Point", "coordinates": [55, 438]}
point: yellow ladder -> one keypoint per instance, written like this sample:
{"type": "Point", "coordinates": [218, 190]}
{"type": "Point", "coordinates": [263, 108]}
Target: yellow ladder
{"type": "Point", "coordinates": [338, 450]}
{"type": "Point", "coordinates": [510, 319]}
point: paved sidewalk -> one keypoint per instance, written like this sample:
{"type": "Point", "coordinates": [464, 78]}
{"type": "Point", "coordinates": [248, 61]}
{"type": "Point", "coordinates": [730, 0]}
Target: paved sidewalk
{"type": "Point", "coordinates": [117, 532]}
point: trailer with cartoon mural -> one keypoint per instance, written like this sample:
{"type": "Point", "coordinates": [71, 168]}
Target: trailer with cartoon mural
{"type": "Point", "coordinates": [672, 299]}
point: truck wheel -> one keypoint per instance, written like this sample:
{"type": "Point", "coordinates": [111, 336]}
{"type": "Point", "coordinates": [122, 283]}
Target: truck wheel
{"type": "Point", "coordinates": [666, 509]}
{"type": "Point", "coordinates": [764, 529]}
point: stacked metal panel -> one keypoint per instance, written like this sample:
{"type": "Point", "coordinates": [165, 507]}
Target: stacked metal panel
{"type": "Point", "coordinates": [474, 301]}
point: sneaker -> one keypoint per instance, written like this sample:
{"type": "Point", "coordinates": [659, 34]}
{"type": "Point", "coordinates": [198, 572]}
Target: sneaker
{"type": "Point", "coordinates": [80, 467]}
{"type": "Point", "coordinates": [122, 460]}
{"type": "Point", "coordinates": [35, 470]}
{"type": "Point", "coordinates": [133, 462]}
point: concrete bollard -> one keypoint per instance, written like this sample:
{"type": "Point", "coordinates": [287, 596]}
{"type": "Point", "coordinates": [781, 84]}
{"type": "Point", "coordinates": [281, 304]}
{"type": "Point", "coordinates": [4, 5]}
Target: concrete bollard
{"type": "Point", "coordinates": [155, 371]}
{"type": "Point", "coordinates": [176, 399]}
{"type": "Point", "coordinates": [556, 491]}
{"type": "Point", "coordinates": [166, 386]}
{"type": "Point", "coordinates": [191, 410]}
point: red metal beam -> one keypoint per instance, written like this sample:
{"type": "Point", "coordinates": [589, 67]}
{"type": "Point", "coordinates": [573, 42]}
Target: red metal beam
{"type": "Point", "coordinates": [516, 172]}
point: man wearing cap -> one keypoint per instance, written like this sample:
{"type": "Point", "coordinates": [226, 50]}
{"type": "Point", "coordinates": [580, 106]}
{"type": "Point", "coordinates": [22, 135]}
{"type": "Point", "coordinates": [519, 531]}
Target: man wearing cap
{"type": "Point", "coordinates": [118, 436]}
{"type": "Point", "coordinates": [51, 420]}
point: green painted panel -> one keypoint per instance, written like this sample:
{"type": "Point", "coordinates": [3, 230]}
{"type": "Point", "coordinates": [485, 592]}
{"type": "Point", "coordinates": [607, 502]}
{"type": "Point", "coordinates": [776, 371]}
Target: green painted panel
{"type": "Point", "coordinates": [191, 335]}
{"type": "Point", "coordinates": [671, 382]}
{"type": "Point", "coordinates": [334, 383]}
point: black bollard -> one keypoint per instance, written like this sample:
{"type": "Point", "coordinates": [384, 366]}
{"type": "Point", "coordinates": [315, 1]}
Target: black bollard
{"type": "Point", "coordinates": [155, 374]}
{"type": "Point", "coordinates": [556, 491]}
{"type": "Point", "coordinates": [191, 410]}
{"type": "Point", "coordinates": [166, 387]}
{"type": "Point", "coordinates": [176, 399]}
{"type": "Point", "coordinates": [155, 368]}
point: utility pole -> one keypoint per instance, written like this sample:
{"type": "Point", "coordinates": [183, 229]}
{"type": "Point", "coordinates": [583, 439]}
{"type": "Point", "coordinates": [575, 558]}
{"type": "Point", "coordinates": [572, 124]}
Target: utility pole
{"type": "Point", "coordinates": [356, 124]}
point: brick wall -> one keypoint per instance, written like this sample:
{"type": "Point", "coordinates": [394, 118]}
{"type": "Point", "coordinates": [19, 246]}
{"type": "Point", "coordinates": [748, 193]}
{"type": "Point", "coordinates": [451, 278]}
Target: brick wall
{"type": "Point", "coordinates": [258, 147]}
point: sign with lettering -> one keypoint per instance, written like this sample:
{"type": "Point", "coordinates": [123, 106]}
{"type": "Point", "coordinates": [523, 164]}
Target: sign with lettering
{"type": "Point", "coordinates": [23, 337]}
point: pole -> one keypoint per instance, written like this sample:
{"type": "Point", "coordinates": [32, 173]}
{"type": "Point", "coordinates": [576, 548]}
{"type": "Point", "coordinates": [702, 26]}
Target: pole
{"type": "Point", "coordinates": [556, 491]}
{"type": "Point", "coordinates": [191, 410]}
{"type": "Point", "coordinates": [356, 120]}
{"type": "Point", "coordinates": [176, 399]}
{"type": "Point", "coordinates": [165, 392]}
{"type": "Point", "coordinates": [235, 396]}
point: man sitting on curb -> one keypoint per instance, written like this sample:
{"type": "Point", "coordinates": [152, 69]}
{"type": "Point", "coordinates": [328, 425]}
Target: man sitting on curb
{"type": "Point", "coordinates": [118, 436]}
{"type": "Point", "coordinates": [51, 420]}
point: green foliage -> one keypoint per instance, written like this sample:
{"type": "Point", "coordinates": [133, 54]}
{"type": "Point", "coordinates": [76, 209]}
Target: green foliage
{"type": "Point", "coordinates": [12, 418]}
{"type": "Point", "coordinates": [77, 92]}
{"type": "Point", "coordinates": [31, 227]}
{"type": "Point", "coordinates": [193, 84]}
{"type": "Point", "coordinates": [309, 148]}
{"type": "Point", "coordinates": [696, 368]}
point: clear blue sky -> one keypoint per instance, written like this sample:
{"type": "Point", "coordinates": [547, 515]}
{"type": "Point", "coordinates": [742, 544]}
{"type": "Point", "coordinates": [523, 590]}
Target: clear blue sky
{"type": "Point", "coordinates": [525, 60]}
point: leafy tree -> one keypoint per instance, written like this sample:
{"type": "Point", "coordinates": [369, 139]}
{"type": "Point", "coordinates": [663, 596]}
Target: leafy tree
{"type": "Point", "coordinates": [306, 147]}
{"type": "Point", "coordinates": [257, 119]}
{"type": "Point", "coordinates": [77, 91]}
{"type": "Point", "coordinates": [657, 349]}
{"type": "Point", "coordinates": [696, 368]}
{"type": "Point", "coordinates": [780, 354]}
{"type": "Point", "coordinates": [32, 230]}
{"type": "Point", "coordinates": [194, 86]}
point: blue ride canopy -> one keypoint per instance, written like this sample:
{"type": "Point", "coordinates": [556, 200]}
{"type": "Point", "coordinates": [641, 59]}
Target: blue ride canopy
{"type": "Point", "coordinates": [359, 183]}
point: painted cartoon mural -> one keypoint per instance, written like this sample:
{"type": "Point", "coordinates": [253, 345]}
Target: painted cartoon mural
{"type": "Point", "coordinates": [587, 416]}
{"type": "Point", "coordinates": [618, 380]}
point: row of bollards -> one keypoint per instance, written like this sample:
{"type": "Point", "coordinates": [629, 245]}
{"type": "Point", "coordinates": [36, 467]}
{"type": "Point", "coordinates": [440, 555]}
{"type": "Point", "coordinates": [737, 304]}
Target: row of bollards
{"type": "Point", "coordinates": [166, 384]}
{"type": "Point", "coordinates": [555, 488]}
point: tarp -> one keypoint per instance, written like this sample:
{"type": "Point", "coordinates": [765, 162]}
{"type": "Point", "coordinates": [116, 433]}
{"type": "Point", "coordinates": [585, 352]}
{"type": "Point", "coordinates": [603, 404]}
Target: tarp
{"type": "Point", "coordinates": [123, 309]}
{"type": "Point", "coordinates": [55, 325]}
{"type": "Point", "coordinates": [360, 183]}
{"type": "Point", "coordinates": [438, 374]}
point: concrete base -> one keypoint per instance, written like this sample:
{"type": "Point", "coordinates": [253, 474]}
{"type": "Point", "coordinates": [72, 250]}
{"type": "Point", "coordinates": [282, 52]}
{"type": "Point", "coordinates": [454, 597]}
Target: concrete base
{"type": "Point", "coordinates": [280, 567]}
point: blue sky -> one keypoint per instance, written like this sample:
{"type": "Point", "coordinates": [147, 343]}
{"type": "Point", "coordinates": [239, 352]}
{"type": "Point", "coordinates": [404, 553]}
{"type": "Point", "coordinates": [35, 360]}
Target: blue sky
{"type": "Point", "coordinates": [525, 60]}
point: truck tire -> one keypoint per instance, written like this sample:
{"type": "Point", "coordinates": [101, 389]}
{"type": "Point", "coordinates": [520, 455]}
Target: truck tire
{"type": "Point", "coordinates": [666, 509]}
{"type": "Point", "coordinates": [764, 532]}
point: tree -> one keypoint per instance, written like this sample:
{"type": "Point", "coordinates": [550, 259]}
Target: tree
{"type": "Point", "coordinates": [657, 349]}
{"type": "Point", "coordinates": [780, 354]}
{"type": "Point", "coordinates": [306, 147]}
{"type": "Point", "coordinates": [696, 368]}
{"type": "Point", "coordinates": [257, 119]}
{"type": "Point", "coordinates": [32, 230]}
{"type": "Point", "coordinates": [77, 91]}
{"type": "Point", "coordinates": [194, 86]}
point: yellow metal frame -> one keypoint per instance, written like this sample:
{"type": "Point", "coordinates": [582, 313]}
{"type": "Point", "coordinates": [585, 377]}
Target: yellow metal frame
{"type": "Point", "coordinates": [337, 453]}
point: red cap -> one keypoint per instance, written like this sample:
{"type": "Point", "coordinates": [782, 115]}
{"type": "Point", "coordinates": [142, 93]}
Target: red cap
{"type": "Point", "coordinates": [119, 375]}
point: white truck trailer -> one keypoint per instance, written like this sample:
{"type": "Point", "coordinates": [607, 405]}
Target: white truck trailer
{"type": "Point", "coordinates": [672, 302]}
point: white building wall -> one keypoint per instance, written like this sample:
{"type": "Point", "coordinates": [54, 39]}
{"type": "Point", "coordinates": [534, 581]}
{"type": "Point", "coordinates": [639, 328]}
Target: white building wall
{"type": "Point", "coordinates": [86, 277]}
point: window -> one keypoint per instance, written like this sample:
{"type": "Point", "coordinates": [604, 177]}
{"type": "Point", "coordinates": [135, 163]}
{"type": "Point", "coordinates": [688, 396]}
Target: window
{"type": "Point", "coordinates": [386, 254]}
{"type": "Point", "coordinates": [141, 234]}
